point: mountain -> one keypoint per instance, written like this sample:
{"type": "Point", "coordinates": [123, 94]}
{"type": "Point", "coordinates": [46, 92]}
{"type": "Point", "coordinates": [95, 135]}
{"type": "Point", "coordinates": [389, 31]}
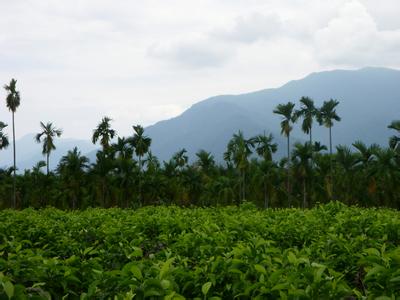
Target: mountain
{"type": "Point", "coordinates": [369, 100]}
{"type": "Point", "coordinates": [29, 152]}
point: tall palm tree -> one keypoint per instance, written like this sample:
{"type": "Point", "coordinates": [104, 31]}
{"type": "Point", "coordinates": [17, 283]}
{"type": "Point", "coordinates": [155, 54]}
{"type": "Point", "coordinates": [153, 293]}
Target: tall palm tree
{"type": "Point", "coordinates": [141, 143]}
{"type": "Point", "coordinates": [3, 137]}
{"type": "Point", "coordinates": [394, 141]}
{"type": "Point", "coordinates": [49, 132]}
{"type": "Point", "coordinates": [13, 100]}
{"type": "Point", "coordinates": [104, 133]}
{"type": "Point", "coordinates": [308, 112]}
{"type": "Point", "coordinates": [238, 152]}
{"type": "Point", "coordinates": [326, 116]}
{"type": "Point", "coordinates": [288, 115]}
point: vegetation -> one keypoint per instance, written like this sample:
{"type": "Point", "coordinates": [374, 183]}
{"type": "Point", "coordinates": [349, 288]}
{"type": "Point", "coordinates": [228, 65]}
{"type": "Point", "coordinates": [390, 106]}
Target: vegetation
{"type": "Point", "coordinates": [331, 251]}
{"type": "Point", "coordinates": [127, 174]}
{"type": "Point", "coordinates": [12, 101]}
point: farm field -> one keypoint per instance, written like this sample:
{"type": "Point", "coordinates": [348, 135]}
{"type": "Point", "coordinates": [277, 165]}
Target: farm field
{"type": "Point", "coordinates": [328, 252]}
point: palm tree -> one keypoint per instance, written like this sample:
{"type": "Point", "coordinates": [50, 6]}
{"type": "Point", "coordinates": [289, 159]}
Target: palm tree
{"type": "Point", "coordinates": [308, 112]}
{"type": "Point", "coordinates": [264, 146]}
{"type": "Point", "coordinates": [13, 100]}
{"type": "Point", "coordinates": [326, 116]}
{"type": "Point", "coordinates": [394, 141]}
{"type": "Point", "coordinates": [141, 143]}
{"type": "Point", "coordinates": [3, 137]}
{"type": "Point", "coordinates": [104, 133]}
{"type": "Point", "coordinates": [286, 111]}
{"type": "Point", "coordinates": [72, 170]}
{"type": "Point", "coordinates": [205, 161]}
{"type": "Point", "coordinates": [238, 152]}
{"type": "Point", "coordinates": [180, 159]}
{"type": "Point", "coordinates": [49, 132]}
{"type": "Point", "coordinates": [302, 155]}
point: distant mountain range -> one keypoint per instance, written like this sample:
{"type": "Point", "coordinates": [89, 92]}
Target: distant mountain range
{"type": "Point", "coordinates": [369, 101]}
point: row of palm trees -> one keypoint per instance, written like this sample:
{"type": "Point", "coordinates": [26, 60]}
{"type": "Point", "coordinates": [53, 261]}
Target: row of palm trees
{"type": "Point", "coordinates": [127, 174]}
{"type": "Point", "coordinates": [325, 115]}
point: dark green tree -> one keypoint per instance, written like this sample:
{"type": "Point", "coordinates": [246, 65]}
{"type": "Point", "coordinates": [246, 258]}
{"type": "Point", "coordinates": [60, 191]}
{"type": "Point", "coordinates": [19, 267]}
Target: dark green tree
{"type": "Point", "coordinates": [13, 100]}
{"type": "Point", "coordinates": [288, 116]}
{"type": "Point", "coordinates": [47, 135]}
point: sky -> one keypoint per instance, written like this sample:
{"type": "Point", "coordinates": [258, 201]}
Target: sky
{"type": "Point", "coordinates": [140, 62]}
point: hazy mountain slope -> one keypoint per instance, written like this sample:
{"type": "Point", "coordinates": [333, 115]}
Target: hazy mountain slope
{"type": "Point", "coordinates": [29, 152]}
{"type": "Point", "coordinates": [369, 100]}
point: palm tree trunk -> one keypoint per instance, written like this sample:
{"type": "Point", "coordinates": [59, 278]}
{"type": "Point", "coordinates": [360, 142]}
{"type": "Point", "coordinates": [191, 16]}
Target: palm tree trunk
{"type": "Point", "coordinates": [304, 193]}
{"type": "Point", "coordinates": [288, 170]}
{"type": "Point", "coordinates": [47, 162]}
{"type": "Point", "coordinates": [265, 195]}
{"type": "Point", "coordinates": [140, 180]}
{"type": "Point", "coordinates": [331, 166]}
{"type": "Point", "coordinates": [244, 185]}
{"type": "Point", "coordinates": [310, 136]}
{"type": "Point", "coordinates": [14, 176]}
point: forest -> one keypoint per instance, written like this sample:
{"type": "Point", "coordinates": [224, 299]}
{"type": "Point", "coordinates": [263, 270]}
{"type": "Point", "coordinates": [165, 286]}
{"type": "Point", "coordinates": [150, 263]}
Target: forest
{"type": "Point", "coordinates": [126, 174]}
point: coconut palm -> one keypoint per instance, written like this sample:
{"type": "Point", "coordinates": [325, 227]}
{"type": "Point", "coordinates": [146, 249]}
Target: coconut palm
{"type": "Point", "coordinates": [288, 115]}
{"type": "Point", "coordinates": [308, 112]}
{"type": "Point", "coordinates": [104, 133]}
{"type": "Point", "coordinates": [13, 100]}
{"type": "Point", "coordinates": [47, 135]}
{"type": "Point", "coordinates": [3, 137]}
{"type": "Point", "coordinates": [394, 141]}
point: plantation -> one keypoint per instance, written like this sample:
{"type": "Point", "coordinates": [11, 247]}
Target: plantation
{"type": "Point", "coordinates": [330, 251]}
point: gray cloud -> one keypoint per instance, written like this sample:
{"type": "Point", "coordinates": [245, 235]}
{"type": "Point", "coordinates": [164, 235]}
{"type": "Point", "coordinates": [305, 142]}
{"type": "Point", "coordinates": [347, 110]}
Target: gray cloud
{"type": "Point", "coordinates": [193, 54]}
{"type": "Point", "coordinates": [251, 28]}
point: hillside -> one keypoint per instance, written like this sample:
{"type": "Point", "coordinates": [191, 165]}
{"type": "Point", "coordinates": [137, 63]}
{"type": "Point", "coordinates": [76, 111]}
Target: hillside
{"type": "Point", "coordinates": [369, 100]}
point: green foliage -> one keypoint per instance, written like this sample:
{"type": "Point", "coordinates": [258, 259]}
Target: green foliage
{"type": "Point", "coordinates": [329, 252]}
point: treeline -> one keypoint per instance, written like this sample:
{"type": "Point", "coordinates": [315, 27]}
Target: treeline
{"type": "Point", "coordinates": [127, 174]}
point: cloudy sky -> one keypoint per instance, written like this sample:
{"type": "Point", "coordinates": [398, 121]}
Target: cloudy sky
{"type": "Point", "coordinates": [143, 61]}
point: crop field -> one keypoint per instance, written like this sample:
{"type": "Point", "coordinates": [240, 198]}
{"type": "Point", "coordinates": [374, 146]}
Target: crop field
{"type": "Point", "coordinates": [328, 252]}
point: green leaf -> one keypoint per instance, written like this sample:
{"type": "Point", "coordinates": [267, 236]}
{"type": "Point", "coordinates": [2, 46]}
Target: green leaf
{"type": "Point", "coordinates": [292, 258]}
{"type": "Point", "coordinates": [260, 269]}
{"type": "Point", "coordinates": [205, 288]}
{"type": "Point", "coordinates": [137, 252]}
{"type": "Point", "coordinates": [166, 267]}
{"type": "Point", "coordinates": [9, 289]}
{"type": "Point", "coordinates": [136, 272]}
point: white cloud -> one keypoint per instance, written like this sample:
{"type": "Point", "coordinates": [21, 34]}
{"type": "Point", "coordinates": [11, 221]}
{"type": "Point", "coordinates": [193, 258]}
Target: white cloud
{"type": "Point", "coordinates": [352, 38]}
{"type": "Point", "coordinates": [194, 53]}
{"type": "Point", "coordinates": [251, 28]}
{"type": "Point", "coordinates": [140, 62]}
